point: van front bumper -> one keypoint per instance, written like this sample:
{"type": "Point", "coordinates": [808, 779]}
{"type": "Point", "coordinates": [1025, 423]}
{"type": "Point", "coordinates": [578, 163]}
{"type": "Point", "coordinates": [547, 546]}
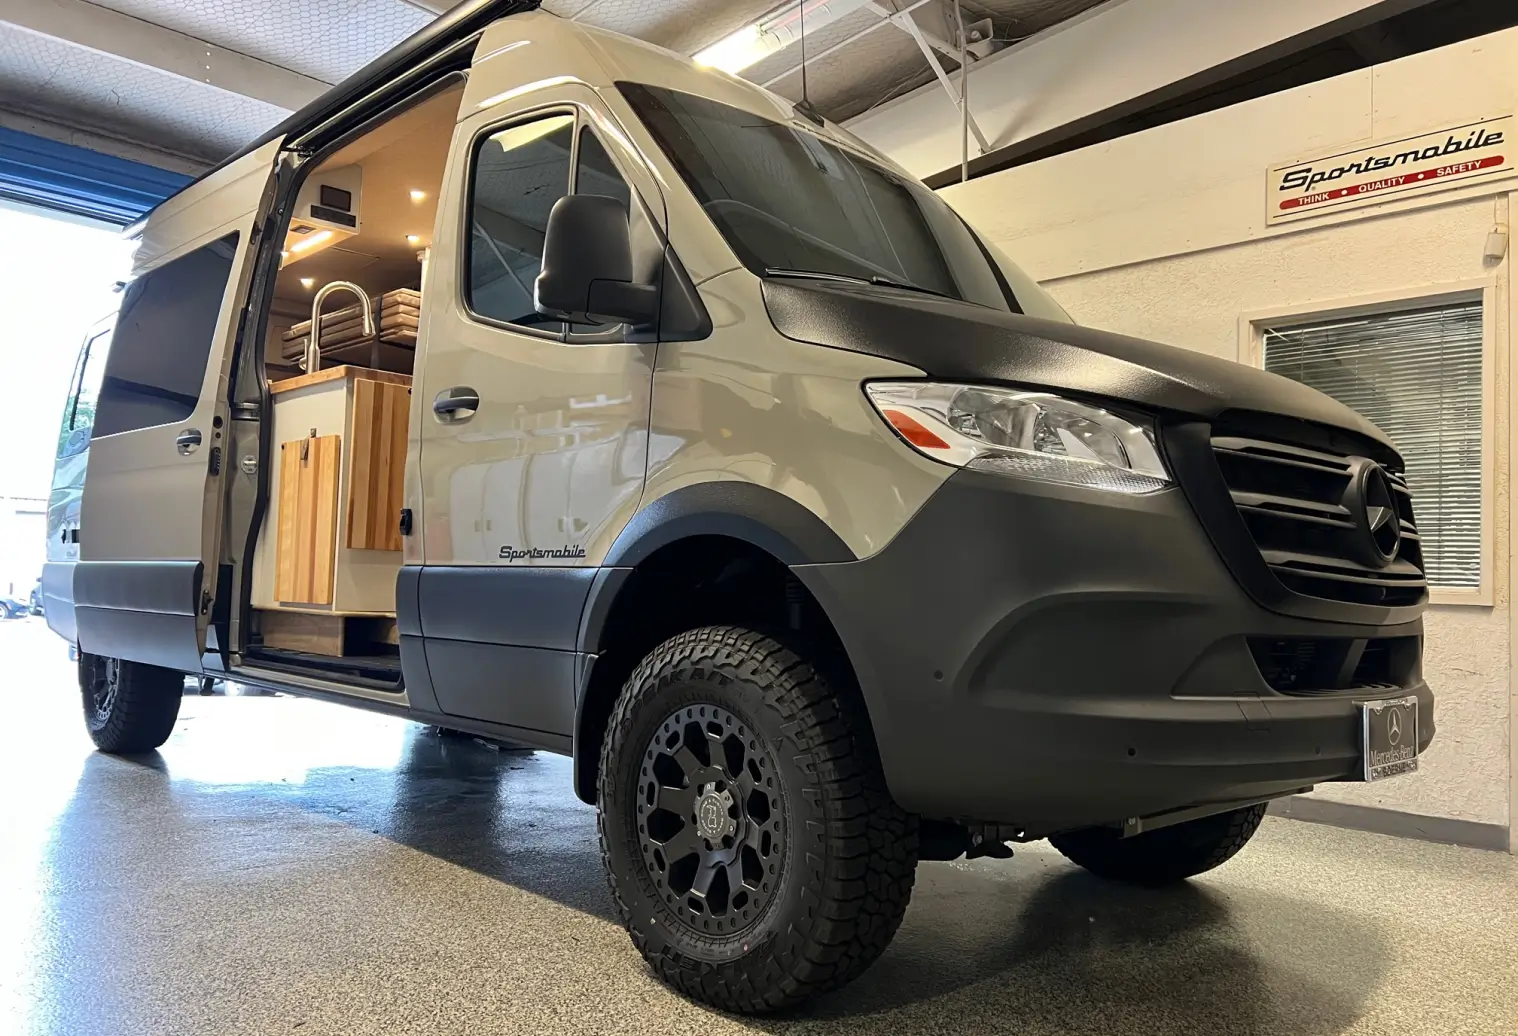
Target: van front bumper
{"type": "Point", "coordinates": [1053, 658]}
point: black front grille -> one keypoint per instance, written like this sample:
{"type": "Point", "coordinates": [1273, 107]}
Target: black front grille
{"type": "Point", "coordinates": [1293, 500]}
{"type": "Point", "coordinates": [1328, 665]}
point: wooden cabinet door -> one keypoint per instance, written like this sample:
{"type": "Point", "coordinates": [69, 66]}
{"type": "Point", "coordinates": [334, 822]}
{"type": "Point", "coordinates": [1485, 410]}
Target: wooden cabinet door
{"type": "Point", "coordinates": [376, 489]}
{"type": "Point", "coordinates": [307, 543]}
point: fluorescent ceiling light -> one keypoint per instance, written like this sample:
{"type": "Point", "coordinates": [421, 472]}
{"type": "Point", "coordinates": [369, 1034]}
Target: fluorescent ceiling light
{"type": "Point", "coordinates": [773, 33]}
{"type": "Point", "coordinates": [748, 46]}
{"type": "Point", "coordinates": [311, 242]}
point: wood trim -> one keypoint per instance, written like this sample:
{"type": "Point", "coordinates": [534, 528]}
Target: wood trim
{"type": "Point", "coordinates": [306, 544]}
{"type": "Point", "coordinates": [376, 486]}
{"type": "Point", "coordinates": [334, 373]}
{"type": "Point", "coordinates": [300, 631]}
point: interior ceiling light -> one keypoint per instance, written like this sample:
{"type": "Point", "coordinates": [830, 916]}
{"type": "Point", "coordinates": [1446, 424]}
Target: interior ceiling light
{"type": "Point", "coordinates": [311, 242]}
{"type": "Point", "coordinates": [418, 196]}
{"type": "Point", "coordinates": [412, 239]}
{"type": "Point", "coordinates": [308, 283]}
{"type": "Point", "coordinates": [772, 34]}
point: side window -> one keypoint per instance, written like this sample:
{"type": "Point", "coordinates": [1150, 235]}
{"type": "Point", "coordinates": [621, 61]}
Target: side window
{"type": "Point", "coordinates": [595, 173]}
{"type": "Point", "coordinates": [518, 174]}
{"type": "Point", "coordinates": [84, 396]}
{"type": "Point", "coordinates": [163, 340]}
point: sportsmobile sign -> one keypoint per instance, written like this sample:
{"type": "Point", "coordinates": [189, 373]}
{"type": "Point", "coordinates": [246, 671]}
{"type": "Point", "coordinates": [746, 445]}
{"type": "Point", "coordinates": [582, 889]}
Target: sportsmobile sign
{"type": "Point", "coordinates": [1433, 162]}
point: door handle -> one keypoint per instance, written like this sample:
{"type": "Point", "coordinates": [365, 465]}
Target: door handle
{"type": "Point", "coordinates": [457, 403]}
{"type": "Point", "coordinates": [188, 441]}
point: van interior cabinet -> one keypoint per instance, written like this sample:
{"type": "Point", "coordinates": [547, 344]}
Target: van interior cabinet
{"type": "Point", "coordinates": [307, 515]}
{"type": "Point", "coordinates": [380, 413]}
{"type": "Point", "coordinates": [331, 541]}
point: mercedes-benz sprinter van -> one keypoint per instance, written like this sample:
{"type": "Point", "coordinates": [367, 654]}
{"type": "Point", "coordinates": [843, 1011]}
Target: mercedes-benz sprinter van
{"type": "Point", "coordinates": [539, 383]}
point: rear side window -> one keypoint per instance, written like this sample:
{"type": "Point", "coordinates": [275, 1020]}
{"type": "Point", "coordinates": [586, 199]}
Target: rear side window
{"type": "Point", "coordinates": [163, 339]}
{"type": "Point", "coordinates": [84, 396]}
{"type": "Point", "coordinates": [519, 172]}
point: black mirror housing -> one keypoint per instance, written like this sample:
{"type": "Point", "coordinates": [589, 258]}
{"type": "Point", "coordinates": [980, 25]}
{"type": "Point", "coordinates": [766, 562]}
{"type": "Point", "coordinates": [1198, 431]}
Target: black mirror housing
{"type": "Point", "coordinates": [587, 265]}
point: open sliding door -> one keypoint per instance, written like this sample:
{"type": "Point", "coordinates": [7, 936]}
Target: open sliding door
{"type": "Point", "coordinates": [150, 521]}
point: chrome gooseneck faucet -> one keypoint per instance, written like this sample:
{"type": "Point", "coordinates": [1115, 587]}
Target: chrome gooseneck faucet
{"type": "Point", "coordinates": [313, 361]}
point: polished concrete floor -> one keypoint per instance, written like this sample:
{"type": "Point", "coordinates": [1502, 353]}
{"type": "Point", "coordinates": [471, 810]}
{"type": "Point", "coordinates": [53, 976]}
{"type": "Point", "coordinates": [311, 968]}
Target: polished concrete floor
{"type": "Point", "coordinates": [284, 866]}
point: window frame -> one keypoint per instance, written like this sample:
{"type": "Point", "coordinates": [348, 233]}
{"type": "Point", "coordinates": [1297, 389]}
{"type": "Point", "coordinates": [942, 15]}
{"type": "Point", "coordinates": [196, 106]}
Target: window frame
{"type": "Point", "coordinates": [1252, 328]}
{"type": "Point", "coordinates": [76, 387]}
{"type": "Point", "coordinates": [235, 238]}
{"type": "Point", "coordinates": [582, 124]}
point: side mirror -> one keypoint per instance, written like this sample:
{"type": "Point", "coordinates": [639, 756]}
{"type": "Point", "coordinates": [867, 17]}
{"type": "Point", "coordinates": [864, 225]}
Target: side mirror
{"type": "Point", "coordinates": [587, 265]}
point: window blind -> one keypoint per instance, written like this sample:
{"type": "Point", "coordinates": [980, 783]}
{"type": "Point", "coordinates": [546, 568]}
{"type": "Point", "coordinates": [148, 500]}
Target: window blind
{"type": "Point", "coordinates": [1417, 375]}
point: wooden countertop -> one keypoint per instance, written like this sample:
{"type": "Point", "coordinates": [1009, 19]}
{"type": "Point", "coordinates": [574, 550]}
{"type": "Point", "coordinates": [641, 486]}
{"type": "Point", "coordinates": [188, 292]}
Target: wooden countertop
{"type": "Point", "coordinates": [334, 373]}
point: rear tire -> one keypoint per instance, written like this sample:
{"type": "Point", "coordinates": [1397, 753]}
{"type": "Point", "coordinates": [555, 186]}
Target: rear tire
{"type": "Point", "coordinates": [753, 851]}
{"type": "Point", "coordinates": [1165, 856]}
{"type": "Point", "coordinates": [129, 708]}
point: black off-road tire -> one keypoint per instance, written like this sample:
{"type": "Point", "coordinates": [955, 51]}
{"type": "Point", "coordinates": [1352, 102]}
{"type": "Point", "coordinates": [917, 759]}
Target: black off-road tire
{"type": "Point", "coordinates": [129, 708]}
{"type": "Point", "coordinates": [848, 854]}
{"type": "Point", "coordinates": [1166, 856]}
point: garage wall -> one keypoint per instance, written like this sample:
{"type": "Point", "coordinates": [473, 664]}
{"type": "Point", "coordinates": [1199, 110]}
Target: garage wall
{"type": "Point", "coordinates": [1162, 235]}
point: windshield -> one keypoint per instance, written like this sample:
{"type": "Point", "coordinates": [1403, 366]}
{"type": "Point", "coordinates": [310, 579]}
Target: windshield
{"type": "Point", "coordinates": [789, 202]}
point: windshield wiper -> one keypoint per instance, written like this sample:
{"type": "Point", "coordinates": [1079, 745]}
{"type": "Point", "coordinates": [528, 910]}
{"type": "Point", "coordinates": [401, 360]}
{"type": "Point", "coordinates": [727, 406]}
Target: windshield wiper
{"type": "Point", "coordinates": [876, 279]}
{"type": "Point", "coordinates": [905, 286]}
{"type": "Point", "coordinates": [816, 275]}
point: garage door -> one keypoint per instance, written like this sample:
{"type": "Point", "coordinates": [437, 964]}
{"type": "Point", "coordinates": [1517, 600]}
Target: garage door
{"type": "Point", "coordinates": [67, 178]}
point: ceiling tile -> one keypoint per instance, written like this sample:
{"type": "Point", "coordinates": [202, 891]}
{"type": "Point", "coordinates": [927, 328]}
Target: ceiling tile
{"type": "Point", "coordinates": [324, 39]}
{"type": "Point", "coordinates": [50, 78]}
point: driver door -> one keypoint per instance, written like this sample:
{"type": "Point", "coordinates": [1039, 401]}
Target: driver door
{"type": "Point", "coordinates": [150, 520]}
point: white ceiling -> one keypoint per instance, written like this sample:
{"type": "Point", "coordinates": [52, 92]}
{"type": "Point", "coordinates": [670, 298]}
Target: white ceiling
{"type": "Point", "coordinates": [135, 72]}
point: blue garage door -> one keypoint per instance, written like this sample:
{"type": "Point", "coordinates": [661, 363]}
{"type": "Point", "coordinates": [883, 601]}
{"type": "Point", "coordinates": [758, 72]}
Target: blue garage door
{"type": "Point", "coordinates": [76, 180]}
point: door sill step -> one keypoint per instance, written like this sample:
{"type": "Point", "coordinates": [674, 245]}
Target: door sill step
{"type": "Point", "coordinates": [375, 672]}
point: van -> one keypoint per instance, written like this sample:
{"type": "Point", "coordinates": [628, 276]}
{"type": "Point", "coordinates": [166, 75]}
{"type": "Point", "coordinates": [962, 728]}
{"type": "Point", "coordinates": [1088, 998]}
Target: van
{"type": "Point", "coordinates": [542, 384]}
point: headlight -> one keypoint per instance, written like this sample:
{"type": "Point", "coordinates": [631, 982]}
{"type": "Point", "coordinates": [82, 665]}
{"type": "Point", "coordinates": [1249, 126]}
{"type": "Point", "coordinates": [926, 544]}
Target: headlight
{"type": "Point", "coordinates": [1032, 434]}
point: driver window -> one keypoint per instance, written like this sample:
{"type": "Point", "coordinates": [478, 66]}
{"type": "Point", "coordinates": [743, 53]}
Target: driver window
{"type": "Point", "coordinates": [519, 172]}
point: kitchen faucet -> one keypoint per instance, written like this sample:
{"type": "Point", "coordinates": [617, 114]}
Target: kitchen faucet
{"type": "Point", "coordinates": [313, 360]}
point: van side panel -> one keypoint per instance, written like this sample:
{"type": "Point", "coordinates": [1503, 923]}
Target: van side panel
{"type": "Point", "coordinates": [717, 407]}
{"type": "Point", "coordinates": [521, 499]}
{"type": "Point", "coordinates": [151, 511]}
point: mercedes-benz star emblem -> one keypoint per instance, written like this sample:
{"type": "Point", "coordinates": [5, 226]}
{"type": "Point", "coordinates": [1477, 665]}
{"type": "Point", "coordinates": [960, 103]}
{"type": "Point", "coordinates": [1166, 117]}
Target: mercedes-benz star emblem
{"type": "Point", "coordinates": [1394, 727]}
{"type": "Point", "coordinates": [1373, 508]}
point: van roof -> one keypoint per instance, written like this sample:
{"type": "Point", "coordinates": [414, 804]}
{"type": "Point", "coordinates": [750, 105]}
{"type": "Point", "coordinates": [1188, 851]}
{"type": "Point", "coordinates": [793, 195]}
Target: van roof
{"type": "Point", "coordinates": [447, 44]}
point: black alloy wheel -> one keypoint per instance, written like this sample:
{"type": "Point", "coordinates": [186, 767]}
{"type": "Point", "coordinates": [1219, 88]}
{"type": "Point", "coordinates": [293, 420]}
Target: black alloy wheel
{"type": "Point", "coordinates": [750, 844]}
{"type": "Point", "coordinates": [711, 825]}
{"type": "Point", "coordinates": [104, 684]}
{"type": "Point", "coordinates": [128, 707]}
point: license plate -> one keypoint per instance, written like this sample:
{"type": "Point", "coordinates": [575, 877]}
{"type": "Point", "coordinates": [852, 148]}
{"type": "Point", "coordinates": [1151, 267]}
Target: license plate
{"type": "Point", "coordinates": [1389, 737]}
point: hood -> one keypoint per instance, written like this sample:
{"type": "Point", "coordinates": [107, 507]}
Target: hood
{"type": "Point", "coordinates": [956, 341]}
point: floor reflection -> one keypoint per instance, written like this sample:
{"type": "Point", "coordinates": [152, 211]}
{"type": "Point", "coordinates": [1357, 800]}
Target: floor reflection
{"type": "Point", "coordinates": [290, 866]}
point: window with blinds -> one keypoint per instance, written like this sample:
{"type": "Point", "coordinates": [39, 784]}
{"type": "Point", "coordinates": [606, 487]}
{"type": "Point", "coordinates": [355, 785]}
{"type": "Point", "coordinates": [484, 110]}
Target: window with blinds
{"type": "Point", "coordinates": [1417, 375]}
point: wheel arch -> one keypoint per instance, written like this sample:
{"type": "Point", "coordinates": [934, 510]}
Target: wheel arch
{"type": "Point", "coordinates": [715, 553]}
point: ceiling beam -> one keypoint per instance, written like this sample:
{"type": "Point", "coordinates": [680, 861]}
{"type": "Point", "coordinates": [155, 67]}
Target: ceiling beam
{"type": "Point", "coordinates": [903, 19]}
{"type": "Point", "coordinates": [51, 127]}
{"type": "Point", "coordinates": [153, 46]}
